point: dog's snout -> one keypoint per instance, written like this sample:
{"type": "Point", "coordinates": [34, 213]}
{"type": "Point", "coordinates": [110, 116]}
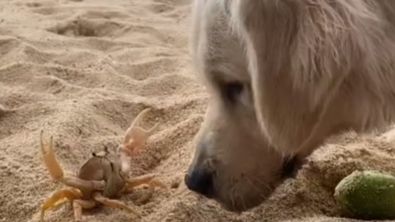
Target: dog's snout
{"type": "Point", "coordinates": [200, 181]}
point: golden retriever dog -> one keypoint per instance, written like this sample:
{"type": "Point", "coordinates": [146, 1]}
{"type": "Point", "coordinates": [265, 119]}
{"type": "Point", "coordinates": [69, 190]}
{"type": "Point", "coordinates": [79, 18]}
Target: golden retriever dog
{"type": "Point", "coordinates": [283, 76]}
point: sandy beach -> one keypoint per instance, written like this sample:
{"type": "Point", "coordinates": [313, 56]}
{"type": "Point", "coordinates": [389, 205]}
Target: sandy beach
{"type": "Point", "coordinates": [81, 70]}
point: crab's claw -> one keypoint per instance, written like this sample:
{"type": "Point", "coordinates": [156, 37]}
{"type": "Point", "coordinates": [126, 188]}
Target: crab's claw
{"type": "Point", "coordinates": [50, 161]}
{"type": "Point", "coordinates": [135, 136]}
{"type": "Point", "coordinates": [56, 171]}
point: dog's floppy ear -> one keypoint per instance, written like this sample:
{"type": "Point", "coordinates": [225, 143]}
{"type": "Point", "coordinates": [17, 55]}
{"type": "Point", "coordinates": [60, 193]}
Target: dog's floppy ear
{"type": "Point", "coordinates": [298, 58]}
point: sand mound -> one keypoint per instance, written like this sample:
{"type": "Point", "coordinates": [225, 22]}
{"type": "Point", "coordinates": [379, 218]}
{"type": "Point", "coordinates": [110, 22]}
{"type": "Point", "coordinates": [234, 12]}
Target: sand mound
{"type": "Point", "coordinates": [83, 69]}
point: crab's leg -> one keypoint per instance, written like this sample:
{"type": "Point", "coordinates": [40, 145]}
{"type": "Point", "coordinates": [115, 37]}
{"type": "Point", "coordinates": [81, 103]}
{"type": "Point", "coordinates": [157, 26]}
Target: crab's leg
{"type": "Point", "coordinates": [56, 170]}
{"type": "Point", "coordinates": [132, 183]}
{"type": "Point", "coordinates": [114, 203]}
{"type": "Point", "coordinates": [69, 193]}
{"type": "Point", "coordinates": [78, 205]}
{"type": "Point", "coordinates": [157, 183]}
{"type": "Point", "coordinates": [145, 179]}
{"type": "Point", "coordinates": [149, 180]}
{"type": "Point", "coordinates": [137, 181]}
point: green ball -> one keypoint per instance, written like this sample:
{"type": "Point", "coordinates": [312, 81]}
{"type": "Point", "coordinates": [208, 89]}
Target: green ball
{"type": "Point", "coordinates": [368, 195]}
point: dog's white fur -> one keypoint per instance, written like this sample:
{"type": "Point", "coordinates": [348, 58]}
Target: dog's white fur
{"type": "Point", "coordinates": [309, 69]}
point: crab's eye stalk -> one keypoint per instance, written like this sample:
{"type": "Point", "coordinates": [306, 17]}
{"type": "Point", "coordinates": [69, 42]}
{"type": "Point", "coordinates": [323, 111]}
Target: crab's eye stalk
{"type": "Point", "coordinates": [94, 154]}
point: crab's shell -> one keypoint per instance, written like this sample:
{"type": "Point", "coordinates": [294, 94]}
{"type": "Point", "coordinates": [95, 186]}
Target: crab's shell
{"type": "Point", "coordinates": [92, 169]}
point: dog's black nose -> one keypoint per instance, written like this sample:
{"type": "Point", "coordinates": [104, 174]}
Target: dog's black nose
{"type": "Point", "coordinates": [200, 182]}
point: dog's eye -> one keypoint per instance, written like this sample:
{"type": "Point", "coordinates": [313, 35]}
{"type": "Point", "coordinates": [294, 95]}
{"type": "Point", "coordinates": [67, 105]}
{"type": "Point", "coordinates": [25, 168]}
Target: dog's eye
{"type": "Point", "coordinates": [232, 90]}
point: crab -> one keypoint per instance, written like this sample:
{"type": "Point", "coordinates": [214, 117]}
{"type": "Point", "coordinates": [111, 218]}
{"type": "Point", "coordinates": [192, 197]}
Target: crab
{"type": "Point", "coordinates": [103, 177]}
